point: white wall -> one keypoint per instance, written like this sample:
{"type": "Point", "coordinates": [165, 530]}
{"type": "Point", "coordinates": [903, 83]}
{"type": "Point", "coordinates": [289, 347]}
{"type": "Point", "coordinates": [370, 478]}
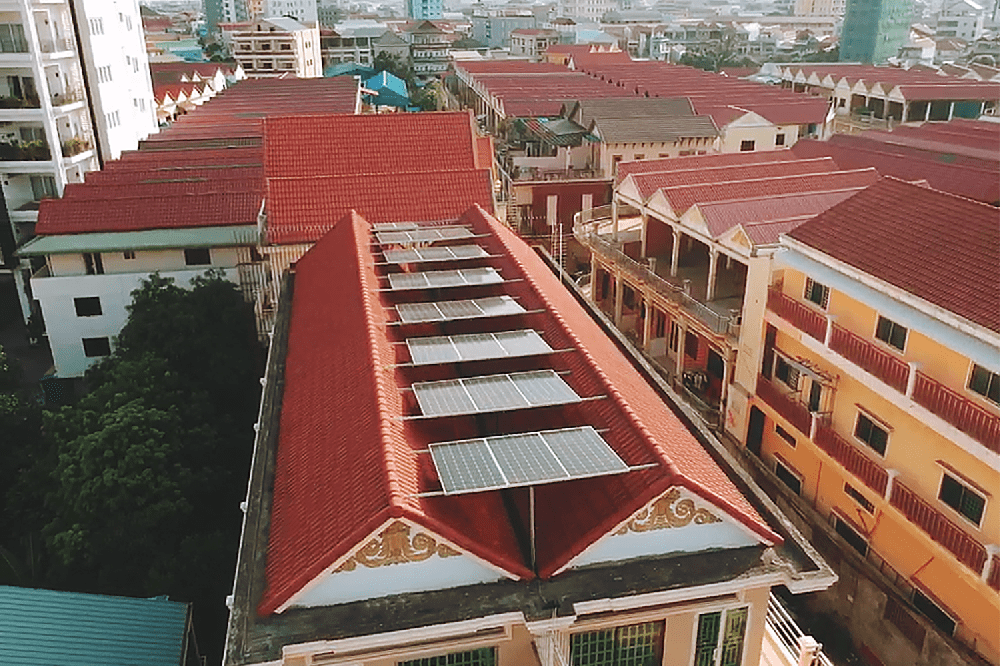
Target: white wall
{"type": "Point", "coordinates": [145, 262]}
{"type": "Point", "coordinates": [66, 330]}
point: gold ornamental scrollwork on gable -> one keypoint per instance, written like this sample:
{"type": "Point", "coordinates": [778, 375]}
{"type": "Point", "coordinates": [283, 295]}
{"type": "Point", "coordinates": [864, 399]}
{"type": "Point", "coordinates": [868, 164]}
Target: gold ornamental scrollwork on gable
{"type": "Point", "coordinates": [668, 512]}
{"type": "Point", "coordinates": [393, 545]}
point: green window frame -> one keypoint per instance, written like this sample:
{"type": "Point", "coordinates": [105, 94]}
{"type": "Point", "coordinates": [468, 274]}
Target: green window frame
{"type": "Point", "coordinates": [891, 333]}
{"type": "Point", "coordinates": [630, 645]}
{"type": "Point", "coordinates": [985, 382]}
{"type": "Point", "coordinates": [871, 433]}
{"type": "Point", "coordinates": [718, 643]}
{"type": "Point", "coordinates": [482, 657]}
{"type": "Point", "coordinates": [817, 293]}
{"type": "Point", "coordinates": [963, 499]}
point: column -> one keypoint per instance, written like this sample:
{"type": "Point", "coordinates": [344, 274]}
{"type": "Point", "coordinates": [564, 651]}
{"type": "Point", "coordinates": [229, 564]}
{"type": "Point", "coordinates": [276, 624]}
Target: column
{"type": "Point", "coordinates": [927, 113]}
{"type": "Point", "coordinates": [675, 253]}
{"type": "Point", "coordinates": [992, 551]}
{"type": "Point", "coordinates": [893, 473]}
{"type": "Point", "coordinates": [829, 329]}
{"type": "Point", "coordinates": [681, 339]}
{"type": "Point", "coordinates": [614, 219]}
{"type": "Point", "coordinates": [951, 110]}
{"type": "Point", "coordinates": [593, 277]}
{"type": "Point", "coordinates": [551, 209]}
{"type": "Point", "coordinates": [713, 267]}
{"type": "Point", "coordinates": [619, 299]}
{"type": "Point", "coordinates": [911, 379]}
{"type": "Point", "coordinates": [647, 322]}
{"type": "Point", "coordinates": [645, 222]}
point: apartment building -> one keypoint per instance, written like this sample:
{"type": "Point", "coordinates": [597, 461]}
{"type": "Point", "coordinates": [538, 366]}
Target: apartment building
{"type": "Point", "coordinates": [877, 401]}
{"type": "Point", "coordinates": [359, 547]}
{"type": "Point", "coordinates": [75, 91]}
{"type": "Point", "coordinates": [303, 11]}
{"type": "Point", "coordinates": [278, 47]}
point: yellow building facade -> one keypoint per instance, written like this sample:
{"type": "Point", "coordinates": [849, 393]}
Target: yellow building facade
{"type": "Point", "coordinates": [878, 397]}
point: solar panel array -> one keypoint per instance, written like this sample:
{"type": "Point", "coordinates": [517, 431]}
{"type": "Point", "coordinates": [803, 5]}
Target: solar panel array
{"type": "Point", "coordinates": [493, 306]}
{"type": "Point", "coordinates": [475, 346]}
{"type": "Point", "coordinates": [447, 253]}
{"type": "Point", "coordinates": [433, 279]}
{"type": "Point", "coordinates": [394, 226]}
{"type": "Point", "coordinates": [493, 393]}
{"type": "Point", "coordinates": [532, 458]}
{"type": "Point", "coordinates": [421, 235]}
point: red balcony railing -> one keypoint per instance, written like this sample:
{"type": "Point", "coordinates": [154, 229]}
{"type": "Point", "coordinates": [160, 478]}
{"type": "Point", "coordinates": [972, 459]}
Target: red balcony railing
{"type": "Point", "coordinates": [867, 470]}
{"type": "Point", "coordinates": [993, 579]}
{"type": "Point", "coordinates": [797, 314]}
{"type": "Point", "coordinates": [866, 355]}
{"type": "Point", "coordinates": [794, 411]}
{"type": "Point", "coordinates": [961, 412]}
{"type": "Point", "coordinates": [968, 551]}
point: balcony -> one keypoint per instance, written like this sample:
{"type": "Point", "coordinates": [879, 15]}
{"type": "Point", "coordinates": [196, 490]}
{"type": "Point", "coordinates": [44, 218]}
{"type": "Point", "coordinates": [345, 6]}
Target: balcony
{"type": "Point", "coordinates": [26, 102]}
{"type": "Point", "coordinates": [71, 96]}
{"type": "Point", "coordinates": [785, 404]}
{"type": "Point", "coordinates": [865, 469]}
{"type": "Point", "coordinates": [535, 173]}
{"type": "Point", "coordinates": [959, 411]}
{"type": "Point", "coordinates": [29, 151]}
{"type": "Point", "coordinates": [868, 356]}
{"type": "Point", "coordinates": [968, 551]}
{"type": "Point", "coordinates": [56, 45]}
{"type": "Point", "coordinates": [797, 314]}
{"type": "Point", "coordinates": [75, 146]}
{"type": "Point", "coordinates": [993, 579]}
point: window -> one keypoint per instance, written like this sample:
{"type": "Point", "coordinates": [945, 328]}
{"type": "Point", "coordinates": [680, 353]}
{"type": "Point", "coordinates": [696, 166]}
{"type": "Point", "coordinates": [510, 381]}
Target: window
{"type": "Point", "coordinates": [856, 495]}
{"type": "Point", "coordinates": [779, 140]}
{"type": "Point", "coordinates": [851, 535]}
{"type": "Point", "coordinates": [961, 498]}
{"type": "Point", "coordinates": [985, 383]}
{"type": "Point", "coordinates": [632, 645]}
{"type": "Point", "coordinates": [716, 645]}
{"type": "Point", "coordinates": [786, 373]}
{"type": "Point", "coordinates": [96, 26]}
{"type": "Point", "coordinates": [93, 263]}
{"type": "Point", "coordinates": [788, 476]}
{"type": "Point", "coordinates": [480, 657]}
{"type": "Point", "coordinates": [87, 306]}
{"type": "Point", "coordinates": [128, 254]}
{"type": "Point", "coordinates": [891, 333]}
{"type": "Point", "coordinates": [93, 347]}
{"type": "Point", "coordinates": [747, 145]}
{"type": "Point", "coordinates": [640, 157]}
{"type": "Point", "coordinates": [871, 433]}
{"type": "Point", "coordinates": [817, 293]}
{"type": "Point", "coordinates": [784, 434]}
{"type": "Point", "coordinates": [43, 187]}
{"type": "Point", "coordinates": [197, 257]}
{"type": "Point", "coordinates": [104, 74]}
{"type": "Point", "coordinates": [691, 345]}
{"type": "Point", "coordinates": [934, 613]}
{"type": "Point", "coordinates": [12, 38]}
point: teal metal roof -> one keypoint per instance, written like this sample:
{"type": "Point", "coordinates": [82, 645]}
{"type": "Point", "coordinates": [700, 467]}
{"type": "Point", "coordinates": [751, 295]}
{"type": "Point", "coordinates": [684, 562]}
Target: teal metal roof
{"type": "Point", "coordinates": [49, 628]}
{"type": "Point", "coordinates": [152, 239]}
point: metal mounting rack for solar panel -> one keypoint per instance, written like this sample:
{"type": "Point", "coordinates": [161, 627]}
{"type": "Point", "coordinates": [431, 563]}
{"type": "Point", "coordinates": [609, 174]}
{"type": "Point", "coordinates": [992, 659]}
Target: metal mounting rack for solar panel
{"type": "Point", "coordinates": [419, 234]}
{"type": "Point", "coordinates": [438, 349]}
{"type": "Point", "coordinates": [525, 460]}
{"type": "Point", "coordinates": [432, 254]}
{"type": "Point", "coordinates": [486, 394]}
{"type": "Point", "coordinates": [460, 309]}
{"type": "Point", "coordinates": [460, 278]}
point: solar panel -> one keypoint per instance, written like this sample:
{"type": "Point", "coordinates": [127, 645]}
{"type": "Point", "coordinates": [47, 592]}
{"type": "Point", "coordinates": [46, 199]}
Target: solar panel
{"type": "Point", "coordinates": [492, 306]}
{"type": "Point", "coordinates": [493, 393]}
{"type": "Point", "coordinates": [458, 278]}
{"type": "Point", "coordinates": [475, 346]}
{"type": "Point", "coordinates": [448, 253]}
{"type": "Point", "coordinates": [532, 458]}
{"type": "Point", "coordinates": [394, 226]}
{"type": "Point", "coordinates": [421, 235]}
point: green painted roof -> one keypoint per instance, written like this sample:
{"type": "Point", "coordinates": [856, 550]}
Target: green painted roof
{"type": "Point", "coordinates": [49, 628]}
{"type": "Point", "coordinates": [152, 239]}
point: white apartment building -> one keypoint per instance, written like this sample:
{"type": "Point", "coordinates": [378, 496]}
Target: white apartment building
{"type": "Point", "coordinates": [75, 91]}
{"type": "Point", "coordinates": [592, 10]}
{"type": "Point", "coordinates": [274, 47]}
{"type": "Point", "coordinates": [960, 19]}
{"type": "Point", "coordinates": [303, 11]}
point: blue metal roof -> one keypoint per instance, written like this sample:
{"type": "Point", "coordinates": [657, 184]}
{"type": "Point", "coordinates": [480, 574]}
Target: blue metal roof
{"type": "Point", "coordinates": [390, 88]}
{"type": "Point", "coordinates": [49, 628]}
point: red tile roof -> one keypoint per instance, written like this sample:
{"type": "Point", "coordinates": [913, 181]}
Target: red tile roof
{"type": "Point", "coordinates": [78, 216]}
{"type": "Point", "coordinates": [302, 210]}
{"type": "Point", "coordinates": [699, 161]}
{"type": "Point", "coordinates": [945, 249]}
{"type": "Point", "coordinates": [764, 219]}
{"type": "Point", "coordinates": [339, 145]}
{"type": "Point", "coordinates": [648, 183]}
{"type": "Point", "coordinates": [340, 429]}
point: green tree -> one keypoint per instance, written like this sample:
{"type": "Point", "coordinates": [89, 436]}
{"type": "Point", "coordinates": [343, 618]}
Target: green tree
{"type": "Point", "coordinates": [392, 63]}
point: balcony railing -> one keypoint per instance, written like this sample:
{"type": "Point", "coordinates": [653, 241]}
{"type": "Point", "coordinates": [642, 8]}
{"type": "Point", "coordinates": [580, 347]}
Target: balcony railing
{"type": "Point", "coordinates": [993, 578]}
{"type": "Point", "coordinates": [26, 102]}
{"type": "Point", "coordinates": [75, 146]}
{"type": "Point", "coordinates": [797, 314]}
{"type": "Point", "coordinates": [796, 647]}
{"type": "Point", "coordinates": [968, 551]}
{"type": "Point", "coordinates": [866, 355]}
{"type": "Point", "coordinates": [54, 45]}
{"type": "Point", "coordinates": [529, 173]}
{"type": "Point", "coordinates": [721, 324]}
{"type": "Point", "coordinates": [68, 97]}
{"type": "Point", "coordinates": [785, 404]}
{"type": "Point", "coordinates": [959, 411]}
{"type": "Point", "coordinates": [867, 470]}
{"type": "Point", "coordinates": [30, 151]}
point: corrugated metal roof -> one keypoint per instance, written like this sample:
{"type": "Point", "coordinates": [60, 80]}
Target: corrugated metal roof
{"type": "Point", "coordinates": [49, 628]}
{"type": "Point", "coordinates": [151, 239]}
